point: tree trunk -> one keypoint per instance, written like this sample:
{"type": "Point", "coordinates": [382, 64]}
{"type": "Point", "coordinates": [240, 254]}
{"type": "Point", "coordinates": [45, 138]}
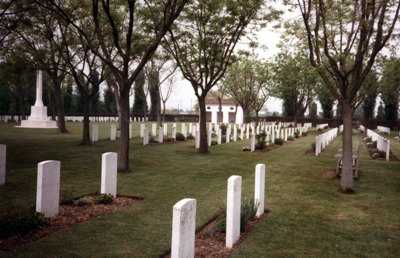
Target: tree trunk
{"type": "Point", "coordinates": [257, 117]}
{"type": "Point", "coordinates": [163, 115]}
{"type": "Point", "coordinates": [159, 122]}
{"type": "Point", "coordinates": [58, 105]}
{"type": "Point", "coordinates": [346, 181]}
{"type": "Point", "coordinates": [123, 156]}
{"type": "Point", "coordinates": [86, 130]}
{"type": "Point", "coordinates": [117, 106]}
{"type": "Point", "coordinates": [203, 127]}
{"type": "Point", "coordinates": [220, 117]}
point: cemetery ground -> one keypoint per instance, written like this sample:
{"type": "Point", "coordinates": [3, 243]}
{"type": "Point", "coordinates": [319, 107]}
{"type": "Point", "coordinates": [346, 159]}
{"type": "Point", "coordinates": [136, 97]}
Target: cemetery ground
{"type": "Point", "coordinates": [309, 216]}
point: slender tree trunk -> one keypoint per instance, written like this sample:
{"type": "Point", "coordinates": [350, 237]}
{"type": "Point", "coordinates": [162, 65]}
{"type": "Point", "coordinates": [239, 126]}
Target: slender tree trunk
{"type": "Point", "coordinates": [220, 117]}
{"type": "Point", "coordinates": [117, 105]}
{"type": "Point", "coordinates": [346, 181]}
{"type": "Point", "coordinates": [203, 126]}
{"type": "Point", "coordinates": [86, 130]}
{"type": "Point", "coordinates": [58, 105]}
{"type": "Point", "coordinates": [158, 109]}
{"type": "Point", "coordinates": [123, 156]}
{"type": "Point", "coordinates": [163, 119]}
{"type": "Point", "coordinates": [257, 117]}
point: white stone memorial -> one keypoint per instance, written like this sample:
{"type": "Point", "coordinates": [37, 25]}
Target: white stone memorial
{"type": "Point", "coordinates": [130, 131]}
{"type": "Point", "coordinates": [113, 133]}
{"type": "Point", "coordinates": [154, 130]}
{"type": "Point", "coordinates": [259, 190]}
{"type": "Point", "coordinates": [48, 187]}
{"type": "Point", "coordinates": [145, 136]}
{"type": "Point", "coordinates": [209, 137]}
{"type": "Point", "coordinates": [253, 142]}
{"type": "Point", "coordinates": [142, 127]}
{"type": "Point", "coordinates": [95, 133]}
{"type": "Point", "coordinates": [109, 161]}
{"type": "Point", "coordinates": [183, 229]}
{"type": "Point", "coordinates": [197, 139]}
{"type": "Point", "coordinates": [38, 117]}
{"type": "Point", "coordinates": [160, 135]}
{"type": "Point", "coordinates": [219, 136]}
{"type": "Point", "coordinates": [173, 133]}
{"type": "Point", "coordinates": [233, 204]}
{"type": "Point", "coordinates": [3, 158]}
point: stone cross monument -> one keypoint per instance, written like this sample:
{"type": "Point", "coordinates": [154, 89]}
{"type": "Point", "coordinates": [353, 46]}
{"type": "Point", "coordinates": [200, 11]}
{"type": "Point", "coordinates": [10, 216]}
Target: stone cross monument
{"type": "Point", "coordinates": [38, 117]}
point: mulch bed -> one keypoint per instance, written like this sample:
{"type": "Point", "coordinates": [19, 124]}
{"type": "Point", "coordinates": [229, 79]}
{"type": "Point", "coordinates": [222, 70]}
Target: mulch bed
{"type": "Point", "coordinates": [68, 215]}
{"type": "Point", "coordinates": [210, 244]}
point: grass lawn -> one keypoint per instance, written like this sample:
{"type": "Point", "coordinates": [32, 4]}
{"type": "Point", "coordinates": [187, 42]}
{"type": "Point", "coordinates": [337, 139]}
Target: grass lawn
{"type": "Point", "coordinates": [308, 216]}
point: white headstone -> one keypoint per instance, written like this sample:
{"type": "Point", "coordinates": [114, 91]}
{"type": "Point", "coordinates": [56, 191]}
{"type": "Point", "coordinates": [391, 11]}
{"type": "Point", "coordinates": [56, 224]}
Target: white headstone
{"type": "Point", "coordinates": [130, 131]}
{"type": "Point", "coordinates": [228, 134]}
{"type": "Point", "coordinates": [160, 134]}
{"type": "Point", "coordinates": [219, 140]}
{"type": "Point", "coordinates": [197, 139]}
{"type": "Point", "coordinates": [234, 133]}
{"type": "Point", "coordinates": [233, 204]}
{"type": "Point", "coordinates": [165, 126]}
{"type": "Point", "coordinates": [253, 142]}
{"type": "Point", "coordinates": [154, 130]}
{"type": "Point", "coordinates": [48, 188]}
{"type": "Point", "coordinates": [184, 130]}
{"type": "Point", "coordinates": [145, 136]}
{"type": "Point", "coordinates": [3, 158]}
{"type": "Point", "coordinates": [259, 190]}
{"type": "Point", "coordinates": [95, 133]}
{"type": "Point", "coordinates": [183, 229]}
{"type": "Point", "coordinates": [113, 134]}
{"type": "Point", "coordinates": [173, 134]}
{"type": "Point", "coordinates": [109, 161]}
{"type": "Point", "coordinates": [142, 127]}
{"type": "Point", "coordinates": [209, 137]}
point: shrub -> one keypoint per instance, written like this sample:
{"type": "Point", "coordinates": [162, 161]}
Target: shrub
{"type": "Point", "coordinates": [296, 134]}
{"type": "Point", "coordinates": [180, 137]}
{"type": "Point", "coordinates": [304, 133]}
{"type": "Point", "coordinates": [223, 129]}
{"type": "Point", "coordinates": [313, 146]}
{"type": "Point", "coordinates": [103, 199]}
{"type": "Point", "coordinates": [248, 212]}
{"type": "Point", "coordinates": [19, 223]}
{"type": "Point", "coordinates": [190, 137]}
{"type": "Point", "coordinates": [278, 141]}
{"type": "Point", "coordinates": [261, 142]}
{"type": "Point", "coordinates": [290, 138]}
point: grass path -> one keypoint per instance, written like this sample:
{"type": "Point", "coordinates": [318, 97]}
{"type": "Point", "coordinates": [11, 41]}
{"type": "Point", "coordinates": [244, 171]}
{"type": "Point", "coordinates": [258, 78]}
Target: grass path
{"type": "Point", "coordinates": [308, 218]}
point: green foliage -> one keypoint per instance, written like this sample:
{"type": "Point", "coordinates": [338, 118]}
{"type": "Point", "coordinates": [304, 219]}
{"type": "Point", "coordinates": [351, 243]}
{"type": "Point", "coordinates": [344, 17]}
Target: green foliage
{"type": "Point", "coordinates": [278, 141]}
{"type": "Point", "coordinates": [140, 103]}
{"type": "Point", "coordinates": [296, 134]}
{"type": "Point", "coordinates": [313, 145]}
{"type": "Point", "coordinates": [103, 199]}
{"type": "Point", "coordinates": [14, 223]}
{"type": "Point", "coordinates": [248, 210]}
{"type": "Point", "coordinates": [326, 100]}
{"type": "Point", "coordinates": [223, 128]}
{"type": "Point", "coordinates": [390, 88]}
{"type": "Point", "coordinates": [370, 88]}
{"type": "Point", "coordinates": [261, 141]}
{"type": "Point", "coordinates": [180, 137]}
{"type": "Point", "coordinates": [190, 137]}
{"type": "Point", "coordinates": [304, 134]}
{"type": "Point", "coordinates": [290, 138]}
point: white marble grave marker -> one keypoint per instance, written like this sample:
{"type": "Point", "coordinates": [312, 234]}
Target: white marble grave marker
{"type": "Point", "coordinates": [197, 139]}
{"type": "Point", "coordinates": [48, 187]}
{"type": "Point", "coordinates": [130, 131]}
{"type": "Point", "coordinates": [109, 161]}
{"type": "Point", "coordinates": [209, 137]}
{"type": "Point", "coordinates": [183, 228]}
{"type": "Point", "coordinates": [253, 142]}
{"type": "Point", "coordinates": [95, 133]}
{"type": "Point", "coordinates": [113, 134]}
{"type": "Point", "coordinates": [160, 134]}
{"type": "Point", "coordinates": [154, 130]}
{"type": "Point", "coordinates": [145, 136]}
{"type": "Point", "coordinates": [259, 190]}
{"type": "Point", "coordinates": [233, 202]}
{"type": "Point", "coordinates": [3, 158]}
{"type": "Point", "coordinates": [219, 140]}
{"type": "Point", "coordinates": [142, 127]}
{"type": "Point", "coordinates": [173, 134]}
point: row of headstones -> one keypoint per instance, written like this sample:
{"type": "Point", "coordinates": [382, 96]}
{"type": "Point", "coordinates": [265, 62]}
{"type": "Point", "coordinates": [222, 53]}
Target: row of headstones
{"type": "Point", "coordinates": [158, 133]}
{"type": "Point", "coordinates": [184, 215]}
{"type": "Point", "coordinates": [7, 118]}
{"type": "Point", "coordinates": [321, 126]}
{"type": "Point", "coordinates": [324, 139]}
{"type": "Point", "coordinates": [48, 180]}
{"type": "Point", "coordinates": [382, 143]}
{"type": "Point", "coordinates": [383, 129]}
{"type": "Point", "coordinates": [113, 132]}
{"type": "Point", "coordinates": [103, 119]}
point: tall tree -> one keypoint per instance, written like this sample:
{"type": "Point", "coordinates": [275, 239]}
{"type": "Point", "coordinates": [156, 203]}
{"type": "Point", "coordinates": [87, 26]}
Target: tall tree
{"type": "Point", "coordinates": [295, 81]}
{"type": "Point", "coordinates": [128, 33]}
{"type": "Point", "coordinates": [140, 102]}
{"type": "Point", "coordinates": [326, 100]}
{"type": "Point", "coordinates": [165, 92]}
{"type": "Point", "coordinates": [248, 83]}
{"type": "Point", "coordinates": [203, 41]}
{"type": "Point", "coordinates": [371, 92]}
{"type": "Point", "coordinates": [390, 88]}
{"type": "Point", "coordinates": [344, 38]}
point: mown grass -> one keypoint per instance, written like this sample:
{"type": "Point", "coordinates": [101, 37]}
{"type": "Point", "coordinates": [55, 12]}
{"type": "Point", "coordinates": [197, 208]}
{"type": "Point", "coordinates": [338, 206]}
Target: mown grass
{"type": "Point", "coordinates": [309, 217]}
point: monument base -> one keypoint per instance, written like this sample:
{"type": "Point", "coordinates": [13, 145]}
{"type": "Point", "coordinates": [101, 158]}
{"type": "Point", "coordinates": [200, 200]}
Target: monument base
{"type": "Point", "coordinates": [38, 119]}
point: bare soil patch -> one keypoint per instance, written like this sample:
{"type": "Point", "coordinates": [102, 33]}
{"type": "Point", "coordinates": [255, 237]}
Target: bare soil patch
{"type": "Point", "coordinates": [68, 215]}
{"type": "Point", "coordinates": [330, 174]}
